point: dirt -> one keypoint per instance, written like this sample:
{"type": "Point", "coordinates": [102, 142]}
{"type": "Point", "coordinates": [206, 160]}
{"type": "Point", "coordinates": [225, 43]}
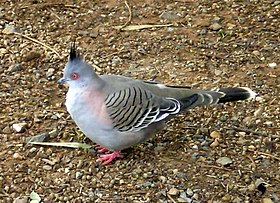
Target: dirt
{"type": "Point", "coordinates": [202, 44]}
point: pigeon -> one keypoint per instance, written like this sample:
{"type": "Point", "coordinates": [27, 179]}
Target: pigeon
{"type": "Point", "coordinates": [117, 112]}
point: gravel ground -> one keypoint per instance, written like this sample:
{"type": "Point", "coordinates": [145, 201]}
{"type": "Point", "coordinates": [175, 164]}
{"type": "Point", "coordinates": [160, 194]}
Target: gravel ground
{"type": "Point", "coordinates": [227, 153]}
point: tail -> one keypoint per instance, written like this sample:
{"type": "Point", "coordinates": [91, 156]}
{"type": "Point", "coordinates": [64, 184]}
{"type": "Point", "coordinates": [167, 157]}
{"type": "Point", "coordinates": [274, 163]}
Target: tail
{"type": "Point", "coordinates": [222, 95]}
{"type": "Point", "coordinates": [236, 94]}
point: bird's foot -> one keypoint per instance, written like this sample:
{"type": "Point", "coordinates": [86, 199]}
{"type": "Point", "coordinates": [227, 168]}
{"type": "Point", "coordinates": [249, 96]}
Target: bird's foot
{"type": "Point", "coordinates": [101, 149]}
{"type": "Point", "coordinates": [108, 158]}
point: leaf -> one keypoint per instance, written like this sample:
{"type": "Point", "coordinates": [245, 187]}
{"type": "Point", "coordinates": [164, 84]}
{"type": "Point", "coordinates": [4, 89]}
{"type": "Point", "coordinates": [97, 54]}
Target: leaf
{"type": "Point", "coordinates": [35, 196]}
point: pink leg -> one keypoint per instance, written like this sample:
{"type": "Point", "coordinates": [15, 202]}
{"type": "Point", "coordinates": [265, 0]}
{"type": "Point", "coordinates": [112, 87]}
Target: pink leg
{"type": "Point", "coordinates": [108, 158]}
{"type": "Point", "coordinates": [101, 149]}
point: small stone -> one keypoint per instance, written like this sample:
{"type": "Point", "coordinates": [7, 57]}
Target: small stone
{"type": "Point", "coordinates": [226, 198]}
{"type": "Point", "coordinates": [218, 72]}
{"type": "Point", "coordinates": [269, 123]}
{"type": "Point", "coordinates": [272, 65]}
{"type": "Point", "coordinates": [19, 127]}
{"type": "Point", "coordinates": [47, 167]}
{"type": "Point", "coordinates": [180, 199]}
{"type": "Point", "coordinates": [48, 161]}
{"type": "Point", "coordinates": [276, 3]}
{"type": "Point", "coordinates": [169, 15]}
{"type": "Point", "coordinates": [94, 33]}
{"type": "Point", "coordinates": [173, 191]}
{"type": "Point", "coordinates": [256, 53]}
{"type": "Point", "coordinates": [20, 200]}
{"type": "Point", "coordinates": [162, 179]}
{"type": "Point", "coordinates": [83, 33]}
{"type": "Point", "coordinates": [215, 143]}
{"type": "Point", "coordinates": [7, 130]}
{"type": "Point", "coordinates": [31, 56]}
{"type": "Point", "coordinates": [189, 192]}
{"type": "Point", "coordinates": [215, 26]}
{"type": "Point", "coordinates": [225, 161]}
{"type": "Point", "coordinates": [33, 149]}
{"type": "Point", "coordinates": [15, 68]}
{"type": "Point", "coordinates": [259, 111]}
{"type": "Point", "coordinates": [259, 82]}
{"type": "Point", "coordinates": [267, 200]}
{"type": "Point", "coordinates": [3, 51]}
{"type": "Point", "coordinates": [217, 19]}
{"type": "Point", "coordinates": [17, 156]}
{"type": "Point", "coordinates": [215, 134]}
{"type": "Point", "coordinates": [78, 174]}
{"type": "Point", "coordinates": [9, 29]}
{"type": "Point", "coordinates": [50, 72]}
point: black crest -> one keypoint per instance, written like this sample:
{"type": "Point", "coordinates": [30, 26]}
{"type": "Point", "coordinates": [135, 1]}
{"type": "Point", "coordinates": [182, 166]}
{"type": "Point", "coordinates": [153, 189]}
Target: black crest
{"type": "Point", "coordinates": [73, 52]}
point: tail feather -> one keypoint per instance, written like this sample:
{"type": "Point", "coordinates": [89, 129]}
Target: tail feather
{"type": "Point", "coordinates": [222, 95]}
{"type": "Point", "coordinates": [236, 94]}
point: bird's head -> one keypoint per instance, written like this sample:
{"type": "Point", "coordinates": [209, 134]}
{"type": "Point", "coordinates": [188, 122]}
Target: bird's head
{"type": "Point", "coordinates": [77, 72]}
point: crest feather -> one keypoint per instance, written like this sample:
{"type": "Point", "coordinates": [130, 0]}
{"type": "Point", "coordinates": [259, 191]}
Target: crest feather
{"type": "Point", "coordinates": [73, 52]}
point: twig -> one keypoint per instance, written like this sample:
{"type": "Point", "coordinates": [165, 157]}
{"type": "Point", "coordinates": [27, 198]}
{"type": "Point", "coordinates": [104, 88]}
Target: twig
{"type": "Point", "coordinates": [213, 166]}
{"type": "Point", "coordinates": [42, 5]}
{"type": "Point", "coordinates": [36, 41]}
{"type": "Point", "coordinates": [245, 130]}
{"type": "Point", "coordinates": [254, 164]}
{"type": "Point", "coordinates": [172, 200]}
{"type": "Point", "coordinates": [129, 18]}
{"type": "Point", "coordinates": [270, 155]}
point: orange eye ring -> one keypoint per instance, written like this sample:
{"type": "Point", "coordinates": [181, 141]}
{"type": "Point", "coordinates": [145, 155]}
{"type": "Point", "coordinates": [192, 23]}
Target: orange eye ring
{"type": "Point", "coordinates": [75, 76]}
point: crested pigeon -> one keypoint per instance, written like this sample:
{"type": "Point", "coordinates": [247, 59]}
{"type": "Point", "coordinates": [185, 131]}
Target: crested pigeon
{"type": "Point", "coordinates": [117, 112]}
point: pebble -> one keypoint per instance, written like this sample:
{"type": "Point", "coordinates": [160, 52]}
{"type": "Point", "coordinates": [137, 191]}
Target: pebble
{"type": "Point", "coordinates": [50, 72]}
{"type": "Point", "coordinates": [7, 130]}
{"type": "Point", "coordinates": [189, 192]}
{"type": "Point", "coordinates": [224, 161]}
{"type": "Point", "coordinates": [215, 26]}
{"type": "Point", "coordinates": [173, 191]}
{"type": "Point", "coordinates": [169, 15]}
{"type": "Point", "coordinates": [48, 161]}
{"type": "Point", "coordinates": [272, 65]}
{"type": "Point", "coordinates": [218, 72]}
{"type": "Point", "coordinates": [78, 175]}
{"type": "Point", "coordinates": [215, 134]}
{"type": "Point", "coordinates": [256, 53]}
{"type": "Point", "coordinates": [267, 200]}
{"type": "Point", "coordinates": [259, 82]}
{"type": "Point", "coordinates": [226, 198]}
{"type": "Point", "coordinates": [17, 156]}
{"type": "Point", "coordinates": [180, 199]}
{"type": "Point", "coordinates": [276, 3]}
{"type": "Point", "coordinates": [19, 200]}
{"type": "Point", "coordinates": [269, 123]}
{"type": "Point", "coordinates": [215, 143]}
{"type": "Point", "coordinates": [47, 167]}
{"type": "Point", "coordinates": [15, 68]}
{"type": "Point", "coordinates": [19, 127]}
{"type": "Point", "coordinates": [162, 179]}
{"type": "Point", "coordinates": [3, 51]}
{"type": "Point", "coordinates": [31, 56]}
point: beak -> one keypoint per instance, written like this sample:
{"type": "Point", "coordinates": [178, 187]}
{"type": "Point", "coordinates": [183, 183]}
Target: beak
{"type": "Point", "coordinates": [61, 81]}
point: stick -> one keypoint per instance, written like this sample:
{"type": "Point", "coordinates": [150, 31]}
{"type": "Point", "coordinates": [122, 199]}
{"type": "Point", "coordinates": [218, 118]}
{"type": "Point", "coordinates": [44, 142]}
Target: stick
{"type": "Point", "coordinates": [36, 41]}
{"type": "Point", "coordinates": [213, 166]}
{"type": "Point", "coordinates": [245, 130]}
{"type": "Point", "coordinates": [172, 200]}
{"type": "Point", "coordinates": [129, 18]}
{"type": "Point", "coordinates": [270, 155]}
{"type": "Point", "coordinates": [254, 164]}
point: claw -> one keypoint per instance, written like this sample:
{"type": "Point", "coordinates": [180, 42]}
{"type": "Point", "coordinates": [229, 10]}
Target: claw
{"type": "Point", "coordinates": [101, 149]}
{"type": "Point", "coordinates": [108, 158]}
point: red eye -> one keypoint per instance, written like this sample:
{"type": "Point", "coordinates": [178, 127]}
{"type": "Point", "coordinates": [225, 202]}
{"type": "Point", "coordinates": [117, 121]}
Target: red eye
{"type": "Point", "coordinates": [75, 76]}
